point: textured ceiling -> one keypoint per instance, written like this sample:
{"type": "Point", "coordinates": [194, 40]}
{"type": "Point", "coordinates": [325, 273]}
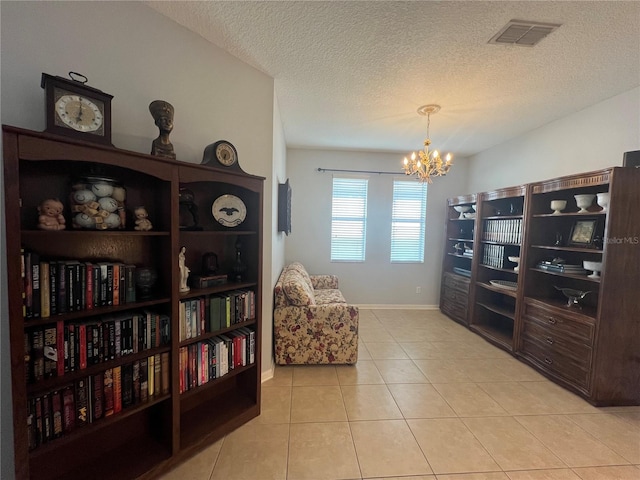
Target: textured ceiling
{"type": "Point", "coordinates": [351, 75]}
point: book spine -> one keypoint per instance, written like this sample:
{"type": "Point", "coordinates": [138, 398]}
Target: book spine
{"type": "Point", "coordinates": [23, 277]}
{"type": "Point", "coordinates": [109, 284]}
{"type": "Point", "coordinates": [32, 433]}
{"type": "Point", "coordinates": [61, 280]}
{"type": "Point", "coordinates": [39, 421]}
{"type": "Point", "coordinates": [89, 279]}
{"type": "Point", "coordinates": [82, 343]}
{"type": "Point", "coordinates": [117, 389]}
{"type": "Point", "coordinates": [144, 380]}
{"type": "Point", "coordinates": [50, 352]}
{"type": "Point", "coordinates": [37, 349]}
{"type": "Point", "coordinates": [68, 410]}
{"type": "Point", "coordinates": [165, 373]}
{"type": "Point", "coordinates": [82, 402]}
{"type": "Point", "coordinates": [53, 288]}
{"type": "Point", "coordinates": [127, 385]}
{"type": "Point", "coordinates": [45, 290]}
{"type": "Point", "coordinates": [157, 380]}
{"type": "Point", "coordinates": [151, 376]}
{"type": "Point", "coordinates": [136, 382]}
{"type": "Point", "coordinates": [28, 285]}
{"type": "Point", "coordinates": [56, 414]}
{"type": "Point", "coordinates": [81, 282]}
{"type": "Point", "coordinates": [108, 392]}
{"type": "Point", "coordinates": [46, 417]}
{"type": "Point", "coordinates": [116, 284]}
{"type": "Point", "coordinates": [35, 278]}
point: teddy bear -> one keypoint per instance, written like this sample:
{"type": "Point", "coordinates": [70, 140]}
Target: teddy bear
{"type": "Point", "coordinates": [142, 222]}
{"type": "Point", "coordinates": [50, 215]}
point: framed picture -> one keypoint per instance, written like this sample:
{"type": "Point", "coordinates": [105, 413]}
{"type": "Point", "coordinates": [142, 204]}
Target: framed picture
{"type": "Point", "coordinates": [631, 159]}
{"type": "Point", "coordinates": [582, 233]}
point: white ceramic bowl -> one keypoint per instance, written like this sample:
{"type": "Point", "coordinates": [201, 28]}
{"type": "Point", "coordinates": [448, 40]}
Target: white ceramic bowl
{"type": "Point", "coordinates": [462, 209]}
{"type": "Point", "coordinates": [557, 206]}
{"type": "Point", "coordinates": [603, 200]}
{"type": "Point", "coordinates": [595, 267]}
{"type": "Point", "coordinates": [584, 201]}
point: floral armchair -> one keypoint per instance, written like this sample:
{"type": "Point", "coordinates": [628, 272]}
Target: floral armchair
{"type": "Point", "coordinates": [313, 324]}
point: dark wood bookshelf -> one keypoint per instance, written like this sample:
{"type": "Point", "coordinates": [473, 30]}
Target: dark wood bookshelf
{"type": "Point", "coordinates": [588, 348]}
{"type": "Point", "coordinates": [146, 439]}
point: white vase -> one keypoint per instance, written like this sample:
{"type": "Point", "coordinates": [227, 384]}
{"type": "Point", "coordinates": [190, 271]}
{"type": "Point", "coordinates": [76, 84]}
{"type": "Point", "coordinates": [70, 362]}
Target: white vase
{"type": "Point", "coordinates": [584, 201]}
{"type": "Point", "coordinates": [603, 200]}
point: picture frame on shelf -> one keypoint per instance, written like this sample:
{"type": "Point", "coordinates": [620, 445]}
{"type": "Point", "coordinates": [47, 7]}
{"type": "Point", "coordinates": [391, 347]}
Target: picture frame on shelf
{"type": "Point", "coordinates": [582, 233]}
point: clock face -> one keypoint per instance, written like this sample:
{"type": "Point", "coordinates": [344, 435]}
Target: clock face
{"type": "Point", "coordinates": [79, 113]}
{"type": "Point", "coordinates": [226, 154]}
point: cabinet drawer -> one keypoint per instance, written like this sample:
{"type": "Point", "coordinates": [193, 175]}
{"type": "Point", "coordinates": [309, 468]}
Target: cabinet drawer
{"type": "Point", "coordinates": [559, 325]}
{"type": "Point", "coordinates": [454, 310]}
{"type": "Point", "coordinates": [573, 365]}
{"type": "Point", "coordinates": [456, 282]}
{"type": "Point", "coordinates": [456, 296]}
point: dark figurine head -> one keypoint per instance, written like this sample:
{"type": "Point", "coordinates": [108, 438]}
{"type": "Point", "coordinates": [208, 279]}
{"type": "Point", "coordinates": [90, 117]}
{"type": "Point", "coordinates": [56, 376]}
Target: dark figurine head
{"type": "Point", "coordinates": [162, 113]}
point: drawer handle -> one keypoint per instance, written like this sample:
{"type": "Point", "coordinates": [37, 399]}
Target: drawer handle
{"type": "Point", "coordinates": [550, 340]}
{"type": "Point", "coordinates": [552, 320]}
{"type": "Point", "coordinates": [548, 361]}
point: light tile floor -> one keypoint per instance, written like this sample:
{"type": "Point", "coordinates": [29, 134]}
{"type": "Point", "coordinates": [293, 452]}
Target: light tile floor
{"type": "Point", "coordinates": [427, 400]}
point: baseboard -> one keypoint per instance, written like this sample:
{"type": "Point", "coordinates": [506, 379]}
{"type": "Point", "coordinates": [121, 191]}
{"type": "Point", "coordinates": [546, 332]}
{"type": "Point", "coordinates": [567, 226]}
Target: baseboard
{"type": "Point", "coordinates": [398, 307]}
{"type": "Point", "coordinates": [268, 374]}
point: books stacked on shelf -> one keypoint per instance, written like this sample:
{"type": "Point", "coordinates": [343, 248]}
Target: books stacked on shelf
{"type": "Point", "coordinates": [562, 268]}
{"type": "Point", "coordinates": [52, 351]}
{"type": "Point", "coordinates": [493, 256]}
{"type": "Point", "coordinates": [213, 358]}
{"type": "Point", "coordinates": [467, 252]}
{"type": "Point", "coordinates": [54, 286]}
{"type": "Point", "coordinates": [462, 271]}
{"type": "Point", "coordinates": [59, 412]}
{"type": "Point", "coordinates": [212, 313]}
{"type": "Point", "coordinates": [503, 231]}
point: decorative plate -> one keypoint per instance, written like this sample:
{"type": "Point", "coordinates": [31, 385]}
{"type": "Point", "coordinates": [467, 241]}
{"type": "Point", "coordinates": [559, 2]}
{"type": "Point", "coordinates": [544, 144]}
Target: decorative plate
{"type": "Point", "coordinates": [229, 210]}
{"type": "Point", "coordinates": [504, 284]}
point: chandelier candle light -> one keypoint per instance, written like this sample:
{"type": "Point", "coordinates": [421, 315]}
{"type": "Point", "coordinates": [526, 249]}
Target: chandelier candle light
{"type": "Point", "coordinates": [430, 163]}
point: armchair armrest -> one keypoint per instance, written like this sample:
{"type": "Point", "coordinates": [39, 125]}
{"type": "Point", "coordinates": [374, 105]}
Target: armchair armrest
{"type": "Point", "coordinates": [320, 282]}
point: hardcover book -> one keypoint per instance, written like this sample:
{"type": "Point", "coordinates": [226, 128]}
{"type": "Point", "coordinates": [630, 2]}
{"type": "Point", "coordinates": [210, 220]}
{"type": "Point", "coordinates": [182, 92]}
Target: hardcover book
{"type": "Point", "coordinates": [108, 392]}
{"type": "Point", "coordinates": [82, 402]}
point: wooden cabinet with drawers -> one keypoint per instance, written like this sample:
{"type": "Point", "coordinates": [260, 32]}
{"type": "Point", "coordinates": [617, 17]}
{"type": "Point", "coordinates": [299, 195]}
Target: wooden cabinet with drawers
{"type": "Point", "coordinates": [589, 344]}
{"type": "Point", "coordinates": [455, 296]}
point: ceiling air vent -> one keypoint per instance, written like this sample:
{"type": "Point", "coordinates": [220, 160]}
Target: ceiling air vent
{"type": "Point", "coordinates": [523, 33]}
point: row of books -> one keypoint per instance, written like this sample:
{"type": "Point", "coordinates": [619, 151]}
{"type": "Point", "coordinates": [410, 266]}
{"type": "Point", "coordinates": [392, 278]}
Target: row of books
{"type": "Point", "coordinates": [89, 399]}
{"type": "Point", "coordinates": [213, 358]}
{"type": "Point", "coordinates": [506, 231]}
{"type": "Point", "coordinates": [493, 256]}
{"type": "Point", "coordinates": [65, 347]}
{"type": "Point", "coordinates": [212, 313]}
{"type": "Point", "coordinates": [52, 286]}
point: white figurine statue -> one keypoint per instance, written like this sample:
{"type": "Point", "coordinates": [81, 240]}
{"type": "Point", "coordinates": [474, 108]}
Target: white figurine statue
{"type": "Point", "coordinates": [184, 271]}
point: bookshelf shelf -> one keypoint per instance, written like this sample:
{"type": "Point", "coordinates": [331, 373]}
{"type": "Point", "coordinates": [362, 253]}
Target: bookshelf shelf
{"type": "Point", "coordinates": [567, 275]}
{"type": "Point", "coordinates": [155, 429]}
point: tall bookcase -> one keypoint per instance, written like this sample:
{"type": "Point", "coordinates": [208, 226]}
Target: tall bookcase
{"type": "Point", "coordinates": [458, 257]}
{"type": "Point", "coordinates": [146, 436]}
{"type": "Point", "coordinates": [496, 300]}
{"type": "Point", "coordinates": [590, 347]}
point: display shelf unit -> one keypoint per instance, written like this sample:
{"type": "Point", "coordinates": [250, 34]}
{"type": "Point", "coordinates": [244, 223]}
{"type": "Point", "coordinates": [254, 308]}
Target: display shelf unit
{"type": "Point", "coordinates": [500, 226]}
{"type": "Point", "coordinates": [590, 348]}
{"type": "Point", "coordinates": [145, 438]}
{"type": "Point", "coordinates": [457, 266]}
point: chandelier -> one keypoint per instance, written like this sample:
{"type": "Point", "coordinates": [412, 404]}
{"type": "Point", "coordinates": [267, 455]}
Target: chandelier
{"type": "Point", "coordinates": [430, 163]}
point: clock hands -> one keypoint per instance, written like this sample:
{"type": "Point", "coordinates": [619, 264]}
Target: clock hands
{"type": "Point", "coordinates": [79, 117]}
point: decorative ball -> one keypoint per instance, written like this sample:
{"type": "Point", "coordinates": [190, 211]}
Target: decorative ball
{"type": "Point", "coordinates": [84, 220]}
{"type": "Point", "coordinates": [102, 189]}
{"type": "Point", "coordinates": [112, 221]}
{"type": "Point", "coordinates": [120, 194]}
{"type": "Point", "coordinates": [83, 196]}
{"type": "Point", "coordinates": [109, 204]}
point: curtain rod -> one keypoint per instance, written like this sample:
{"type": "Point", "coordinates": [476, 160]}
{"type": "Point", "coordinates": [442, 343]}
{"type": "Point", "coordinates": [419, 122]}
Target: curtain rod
{"type": "Point", "coordinates": [358, 171]}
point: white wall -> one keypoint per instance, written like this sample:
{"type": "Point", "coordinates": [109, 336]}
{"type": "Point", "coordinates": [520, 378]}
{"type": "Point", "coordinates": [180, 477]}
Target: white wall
{"type": "Point", "coordinates": [134, 53]}
{"type": "Point", "coordinates": [590, 139]}
{"type": "Point", "coordinates": [276, 261]}
{"type": "Point", "coordinates": [375, 281]}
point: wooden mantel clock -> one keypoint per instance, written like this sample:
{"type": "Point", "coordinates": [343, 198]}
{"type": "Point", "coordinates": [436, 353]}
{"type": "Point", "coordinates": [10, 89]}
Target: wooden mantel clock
{"type": "Point", "coordinates": [76, 110]}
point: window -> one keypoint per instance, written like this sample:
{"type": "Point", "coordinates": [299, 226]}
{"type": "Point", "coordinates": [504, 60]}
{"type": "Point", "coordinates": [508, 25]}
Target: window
{"type": "Point", "coordinates": [348, 219]}
{"type": "Point", "coordinates": [408, 221]}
